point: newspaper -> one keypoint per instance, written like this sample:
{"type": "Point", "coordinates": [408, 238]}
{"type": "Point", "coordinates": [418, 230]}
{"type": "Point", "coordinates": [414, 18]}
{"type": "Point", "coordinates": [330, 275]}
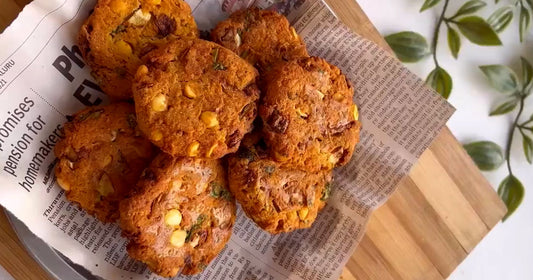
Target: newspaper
{"type": "Point", "coordinates": [43, 79]}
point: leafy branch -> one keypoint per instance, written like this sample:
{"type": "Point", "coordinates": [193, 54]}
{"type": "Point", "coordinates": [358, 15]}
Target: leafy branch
{"type": "Point", "coordinates": [503, 16]}
{"type": "Point", "coordinates": [411, 47]}
{"type": "Point", "coordinates": [488, 155]}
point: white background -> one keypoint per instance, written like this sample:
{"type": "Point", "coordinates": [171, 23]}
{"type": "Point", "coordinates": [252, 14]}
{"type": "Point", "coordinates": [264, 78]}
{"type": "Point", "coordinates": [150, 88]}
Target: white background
{"type": "Point", "coordinates": [507, 251]}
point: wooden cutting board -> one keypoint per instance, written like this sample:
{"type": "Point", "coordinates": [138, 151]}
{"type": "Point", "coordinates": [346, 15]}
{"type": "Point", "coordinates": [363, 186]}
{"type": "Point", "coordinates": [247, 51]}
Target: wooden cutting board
{"type": "Point", "coordinates": [439, 213]}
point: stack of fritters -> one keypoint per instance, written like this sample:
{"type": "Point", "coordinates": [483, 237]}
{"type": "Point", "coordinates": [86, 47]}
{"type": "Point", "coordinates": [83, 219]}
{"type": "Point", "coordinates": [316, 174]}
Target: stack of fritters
{"type": "Point", "coordinates": [156, 166]}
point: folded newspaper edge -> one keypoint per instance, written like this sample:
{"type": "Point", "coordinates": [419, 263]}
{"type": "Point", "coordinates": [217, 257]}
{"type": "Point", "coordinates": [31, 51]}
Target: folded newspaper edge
{"type": "Point", "coordinates": [43, 79]}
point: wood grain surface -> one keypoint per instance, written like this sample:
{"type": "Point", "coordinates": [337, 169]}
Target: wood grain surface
{"type": "Point", "coordinates": [439, 213]}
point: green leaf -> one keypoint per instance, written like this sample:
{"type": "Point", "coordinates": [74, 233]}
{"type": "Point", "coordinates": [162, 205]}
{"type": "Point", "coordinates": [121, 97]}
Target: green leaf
{"type": "Point", "coordinates": [501, 18]}
{"type": "Point", "coordinates": [505, 107]}
{"type": "Point", "coordinates": [454, 42]}
{"type": "Point", "coordinates": [219, 191]}
{"type": "Point", "coordinates": [511, 192]}
{"type": "Point", "coordinates": [527, 73]}
{"type": "Point", "coordinates": [428, 4]}
{"type": "Point", "coordinates": [440, 81]}
{"type": "Point", "coordinates": [408, 46]}
{"type": "Point", "coordinates": [501, 77]}
{"type": "Point", "coordinates": [528, 148]}
{"type": "Point", "coordinates": [486, 154]}
{"type": "Point", "coordinates": [524, 22]}
{"type": "Point", "coordinates": [478, 31]}
{"type": "Point", "coordinates": [326, 192]}
{"type": "Point", "coordinates": [470, 7]}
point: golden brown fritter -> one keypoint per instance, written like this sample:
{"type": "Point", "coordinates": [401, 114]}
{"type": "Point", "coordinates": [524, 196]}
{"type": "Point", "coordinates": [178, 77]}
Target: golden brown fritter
{"type": "Point", "coordinates": [119, 32]}
{"type": "Point", "coordinates": [276, 198]}
{"type": "Point", "coordinates": [195, 98]}
{"type": "Point", "coordinates": [310, 120]}
{"type": "Point", "coordinates": [262, 37]}
{"type": "Point", "coordinates": [180, 216]}
{"type": "Point", "coordinates": [101, 158]}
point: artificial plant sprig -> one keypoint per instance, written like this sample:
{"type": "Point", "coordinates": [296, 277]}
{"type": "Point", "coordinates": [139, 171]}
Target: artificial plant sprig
{"type": "Point", "coordinates": [412, 47]}
{"type": "Point", "coordinates": [501, 18]}
{"type": "Point", "coordinates": [488, 155]}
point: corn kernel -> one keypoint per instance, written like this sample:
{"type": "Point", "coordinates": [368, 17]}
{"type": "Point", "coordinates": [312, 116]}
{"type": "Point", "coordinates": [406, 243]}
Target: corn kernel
{"type": "Point", "coordinates": [338, 97]}
{"type": "Point", "coordinates": [70, 164]}
{"type": "Point", "coordinates": [209, 118]}
{"type": "Point", "coordinates": [105, 186]}
{"type": "Point", "coordinates": [294, 34]}
{"type": "Point", "coordinates": [195, 241]}
{"type": "Point", "coordinates": [123, 47]}
{"type": "Point", "coordinates": [114, 134]}
{"type": "Point", "coordinates": [192, 150]}
{"type": "Point", "coordinates": [118, 6]}
{"type": "Point", "coordinates": [302, 213]}
{"type": "Point", "coordinates": [210, 151]}
{"type": "Point", "coordinates": [177, 238]}
{"type": "Point", "coordinates": [63, 184]}
{"type": "Point", "coordinates": [107, 160]}
{"type": "Point", "coordinates": [280, 157]}
{"type": "Point", "coordinates": [237, 39]}
{"type": "Point", "coordinates": [301, 113]}
{"type": "Point", "coordinates": [157, 135]}
{"type": "Point", "coordinates": [355, 112]}
{"type": "Point", "coordinates": [173, 218]}
{"type": "Point", "coordinates": [141, 71]}
{"type": "Point", "coordinates": [159, 103]}
{"type": "Point", "coordinates": [292, 215]}
{"type": "Point", "coordinates": [71, 154]}
{"type": "Point", "coordinates": [189, 92]}
{"type": "Point", "coordinates": [176, 186]}
{"type": "Point", "coordinates": [139, 18]}
{"type": "Point", "coordinates": [333, 159]}
{"type": "Point", "coordinates": [320, 94]}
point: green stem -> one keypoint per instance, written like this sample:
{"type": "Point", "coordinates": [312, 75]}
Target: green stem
{"type": "Point", "coordinates": [526, 123]}
{"type": "Point", "coordinates": [525, 127]}
{"type": "Point", "coordinates": [436, 33]}
{"type": "Point", "coordinates": [511, 134]}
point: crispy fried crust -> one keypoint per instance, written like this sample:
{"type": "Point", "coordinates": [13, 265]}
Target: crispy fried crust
{"type": "Point", "coordinates": [195, 98]}
{"type": "Point", "coordinates": [119, 32]}
{"type": "Point", "coordinates": [309, 116]}
{"type": "Point", "coordinates": [198, 190]}
{"type": "Point", "coordinates": [261, 37]}
{"type": "Point", "coordinates": [101, 158]}
{"type": "Point", "coordinates": [276, 198]}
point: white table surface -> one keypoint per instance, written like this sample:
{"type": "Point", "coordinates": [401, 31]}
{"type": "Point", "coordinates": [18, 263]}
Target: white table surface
{"type": "Point", "coordinates": [4, 275]}
{"type": "Point", "coordinates": [507, 251]}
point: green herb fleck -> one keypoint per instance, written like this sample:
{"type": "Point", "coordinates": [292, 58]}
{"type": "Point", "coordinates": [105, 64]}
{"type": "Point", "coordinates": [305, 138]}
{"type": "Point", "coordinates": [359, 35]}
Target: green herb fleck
{"type": "Point", "coordinates": [326, 192]}
{"type": "Point", "coordinates": [245, 54]}
{"type": "Point", "coordinates": [269, 169]}
{"type": "Point", "coordinates": [195, 227]}
{"type": "Point", "coordinates": [121, 28]}
{"type": "Point", "coordinates": [132, 121]}
{"type": "Point", "coordinates": [90, 115]}
{"type": "Point", "coordinates": [245, 153]}
{"type": "Point", "coordinates": [121, 72]}
{"type": "Point", "coordinates": [246, 109]}
{"type": "Point", "coordinates": [217, 65]}
{"type": "Point", "coordinates": [218, 191]}
{"type": "Point", "coordinates": [202, 266]}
